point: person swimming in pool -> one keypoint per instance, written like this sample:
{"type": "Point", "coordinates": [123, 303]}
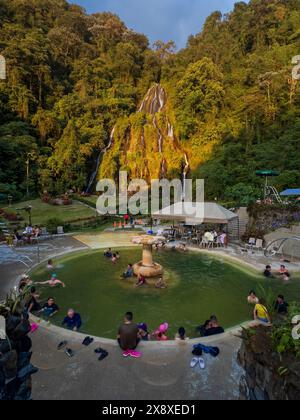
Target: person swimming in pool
{"type": "Point", "coordinates": [53, 282]}
{"type": "Point", "coordinates": [161, 284]}
{"type": "Point", "coordinates": [141, 281]}
{"type": "Point", "coordinates": [129, 272]}
{"type": "Point", "coordinates": [284, 273]}
{"type": "Point", "coordinates": [143, 332]}
{"type": "Point", "coordinates": [50, 265]}
{"type": "Point", "coordinates": [252, 298]}
{"type": "Point", "coordinates": [108, 253]}
{"type": "Point", "coordinates": [161, 333]}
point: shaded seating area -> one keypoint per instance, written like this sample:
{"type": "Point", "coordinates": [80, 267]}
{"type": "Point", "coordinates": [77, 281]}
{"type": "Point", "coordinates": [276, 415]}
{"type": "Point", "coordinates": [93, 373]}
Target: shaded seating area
{"type": "Point", "coordinates": [200, 224]}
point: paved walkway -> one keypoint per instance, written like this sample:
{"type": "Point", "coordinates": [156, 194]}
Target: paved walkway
{"type": "Point", "coordinates": [163, 372]}
{"type": "Point", "coordinates": [107, 239]}
{"type": "Point", "coordinates": [16, 261]}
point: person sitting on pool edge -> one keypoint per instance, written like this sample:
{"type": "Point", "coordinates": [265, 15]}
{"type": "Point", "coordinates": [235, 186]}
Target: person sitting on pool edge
{"type": "Point", "coordinates": [129, 272]}
{"type": "Point", "coordinates": [108, 253]}
{"type": "Point", "coordinates": [128, 336]}
{"type": "Point", "coordinates": [72, 320]}
{"type": "Point", "coordinates": [141, 281]}
{"type": "Point", "coordinates": [261, 312]}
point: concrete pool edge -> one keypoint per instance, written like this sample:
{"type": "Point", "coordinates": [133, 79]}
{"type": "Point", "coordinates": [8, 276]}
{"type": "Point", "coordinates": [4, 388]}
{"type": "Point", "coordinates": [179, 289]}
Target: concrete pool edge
{"type": "Point", "coordinates": [65, 334]}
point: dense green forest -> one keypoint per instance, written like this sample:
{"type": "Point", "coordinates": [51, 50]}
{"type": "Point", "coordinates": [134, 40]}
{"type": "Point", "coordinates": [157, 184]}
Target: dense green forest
{"type": "Point", "coordinates": [72, 77]}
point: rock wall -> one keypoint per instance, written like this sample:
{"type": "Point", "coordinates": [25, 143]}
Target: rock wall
{"type": "Point", "coordinates": [267, 376]}
{"type": "Point", "coordinates": [15, 356]}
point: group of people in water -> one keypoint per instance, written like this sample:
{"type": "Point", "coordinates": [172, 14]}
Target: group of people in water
{"type": "Point", "coordinates": [129, 333]}
{"type": "Point", "coordinates": [261, 313]}
{"type": "Point", "coordinates": [72, 320]}
{"type": "Point", "coordinates": [283, 273]}
{"type": "Point", "coordinates": [129, 272]}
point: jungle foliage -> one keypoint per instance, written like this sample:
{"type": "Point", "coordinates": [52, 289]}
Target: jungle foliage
{"type": "Point", "coordinates": [72, 76]}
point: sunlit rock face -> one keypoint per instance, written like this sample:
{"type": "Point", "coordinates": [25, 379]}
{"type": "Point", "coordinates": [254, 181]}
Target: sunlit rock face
{"type": "Point", "coordinates": [145, 143]}
{"type": "Point", "coordinates": [154, 101]}
{"type": "Point", "coordinates": [2, 68]}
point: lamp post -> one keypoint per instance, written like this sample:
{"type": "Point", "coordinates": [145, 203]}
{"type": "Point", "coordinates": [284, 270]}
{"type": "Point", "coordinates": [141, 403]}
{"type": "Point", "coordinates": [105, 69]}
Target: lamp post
{"type": "Point", "coordinates": [30, 157]}
{"type": "Point", "coordinates": [28, 210]}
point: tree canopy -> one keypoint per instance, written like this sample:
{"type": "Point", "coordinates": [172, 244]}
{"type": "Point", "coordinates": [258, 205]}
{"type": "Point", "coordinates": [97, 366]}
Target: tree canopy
{"type": "Point", "coordinates": [71, 77]}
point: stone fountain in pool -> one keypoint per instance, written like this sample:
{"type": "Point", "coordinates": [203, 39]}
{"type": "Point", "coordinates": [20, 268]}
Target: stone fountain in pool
{"type": "Point", "coordinates": [147, 267]}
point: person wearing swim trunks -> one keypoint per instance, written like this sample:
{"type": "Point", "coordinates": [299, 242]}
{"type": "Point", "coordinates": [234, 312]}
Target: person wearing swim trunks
{"type": "Point", "coordinates": [53, 282]}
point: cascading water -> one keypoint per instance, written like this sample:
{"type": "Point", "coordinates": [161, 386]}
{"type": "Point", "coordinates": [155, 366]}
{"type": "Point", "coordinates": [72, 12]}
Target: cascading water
{"type": "Point", "coordinates": [160, 137]}
{"type": "Point", "coordinates": [154, 100]}
{"type": "Point", "coordinates": [98, 162]}
{"type": "Point", "coordinates": [184, 174]}
{"type": "Point", "coordinates": [135, 148]}
{"type": "Point", "coordinates": [170, 130]}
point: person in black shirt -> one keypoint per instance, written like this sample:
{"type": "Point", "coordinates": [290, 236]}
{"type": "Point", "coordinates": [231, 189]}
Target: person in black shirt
{"type": "Point", "coordinates": [211, 327]}
{"type": "Point", "coordinates": [32, 304]}
{"type": "Point", "coordinates": [268, 272]}
{"type": "Point", "coordinates": [50, 308]}
{"type": "Point", "coordinates": [281, 306]}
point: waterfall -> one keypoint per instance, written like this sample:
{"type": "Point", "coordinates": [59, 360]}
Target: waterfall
{"type": "Point", "coordinates": [184, 174]}
{"type": "Point", "coordinates": [160, 137]}
{"type": "Point", "coordinates": [154, 100]}
{"type": "Point", "coordinates": [98, 161]}
{"type": "Point", "coordinates": [170, 130]}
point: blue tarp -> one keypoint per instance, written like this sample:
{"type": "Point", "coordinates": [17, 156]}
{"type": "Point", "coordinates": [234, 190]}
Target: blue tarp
{"type": "Point", "coordinates": [295, 191]}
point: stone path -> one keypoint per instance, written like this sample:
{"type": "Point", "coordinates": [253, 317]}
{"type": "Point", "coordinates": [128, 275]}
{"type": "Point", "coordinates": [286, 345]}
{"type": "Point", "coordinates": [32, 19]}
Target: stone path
{"type": "Point", "coordinates": [107, 239]}
{"type": "Point", "coordinates": [11, 265]}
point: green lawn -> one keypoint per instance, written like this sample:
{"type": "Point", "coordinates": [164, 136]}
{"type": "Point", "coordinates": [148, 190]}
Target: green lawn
{"type": "Point", "coordinates": [41, 211]}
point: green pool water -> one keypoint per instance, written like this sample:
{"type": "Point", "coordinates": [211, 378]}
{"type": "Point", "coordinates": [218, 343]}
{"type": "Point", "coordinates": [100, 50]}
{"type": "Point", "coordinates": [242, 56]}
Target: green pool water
{"type": "Point", "coordinates": [199, 285]}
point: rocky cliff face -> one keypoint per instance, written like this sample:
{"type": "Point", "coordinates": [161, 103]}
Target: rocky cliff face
{"type": "Point", "coordinates": [267, 375]}
{"type": "Point", "coordinates": [145, 143]}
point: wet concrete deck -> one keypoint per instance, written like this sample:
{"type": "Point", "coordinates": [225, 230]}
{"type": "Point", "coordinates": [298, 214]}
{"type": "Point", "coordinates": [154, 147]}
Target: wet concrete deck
{"type": "Point", "coordinates": [162, 373]}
